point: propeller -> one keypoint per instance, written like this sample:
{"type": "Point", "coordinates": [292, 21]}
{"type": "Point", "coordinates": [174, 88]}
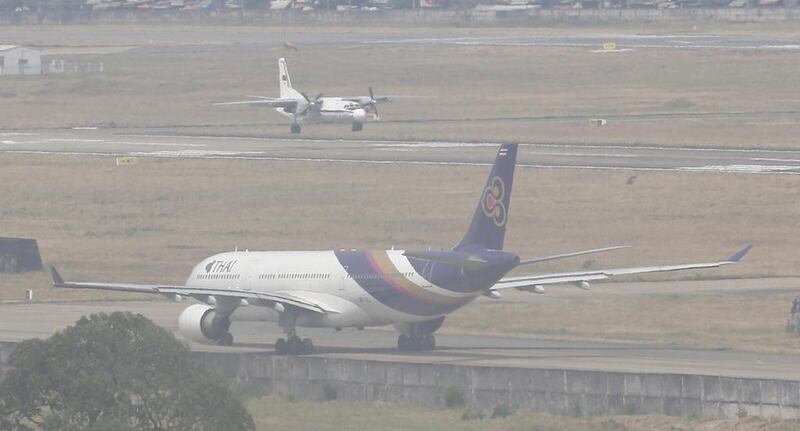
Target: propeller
{"type": "Point", "coordinates": [310, 102]}
{"type": "Point", "coordinates": [374, 103]}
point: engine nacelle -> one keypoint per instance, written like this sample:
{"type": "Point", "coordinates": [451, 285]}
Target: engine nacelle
{"type": "Point", "coordinates": [203, 324]}
{"type": "Point", "coordinates": [359, 115]}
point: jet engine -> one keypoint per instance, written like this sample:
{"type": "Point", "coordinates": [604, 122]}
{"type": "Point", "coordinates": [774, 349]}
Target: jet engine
{"type": "Point", "coordinates": [430, 326]}
{"type": "Point", "coordinates": [203, 324]}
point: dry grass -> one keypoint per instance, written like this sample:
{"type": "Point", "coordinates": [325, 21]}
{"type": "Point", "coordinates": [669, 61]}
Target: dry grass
{"type": "Point", "coordinates": [154, 220]}
{"type": "Point", "coordinates": [741, 322]}
{"type": "Point", "coordinates": [271, 413]}
{"type": "Point", "coordinates": [473, 88]}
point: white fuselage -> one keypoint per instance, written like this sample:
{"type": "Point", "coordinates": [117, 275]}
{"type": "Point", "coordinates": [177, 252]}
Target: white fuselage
{"type": "Point", "coordinates": [360, 297]}
{"type": "Point", "coordinates": [331, 110]}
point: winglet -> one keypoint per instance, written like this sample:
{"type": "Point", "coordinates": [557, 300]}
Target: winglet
{"type": "Point", "coordinates": [738, 256]}
{"type": "Point", "coordinates": [58, 281]}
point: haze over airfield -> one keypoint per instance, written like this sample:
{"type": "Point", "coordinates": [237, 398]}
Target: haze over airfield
{"type": "Point", "coordinates": [655, 110]}
{"type": "Point", "coordinates": [353, 38]}
{"type": "Point", "coordinates": [617, 157]}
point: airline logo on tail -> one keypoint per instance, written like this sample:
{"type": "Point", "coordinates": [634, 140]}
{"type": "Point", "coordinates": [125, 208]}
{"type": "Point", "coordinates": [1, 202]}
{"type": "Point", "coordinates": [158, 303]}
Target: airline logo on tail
{"type": "Point", "coordinates": [492, 201]}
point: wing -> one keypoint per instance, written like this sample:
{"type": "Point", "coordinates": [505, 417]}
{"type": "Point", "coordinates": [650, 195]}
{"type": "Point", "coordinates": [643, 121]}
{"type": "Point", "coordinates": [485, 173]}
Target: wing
{"type": "Point", "coordinates": [582, 278]}
{"type": "Point", "coordinates": [573, 254]}
{"type": "Point", "coordinates": [364, 100]}
{"type": "Point", "coordinates": [201, 294]}
{"type": "Point", "coordinates": [264, 101]}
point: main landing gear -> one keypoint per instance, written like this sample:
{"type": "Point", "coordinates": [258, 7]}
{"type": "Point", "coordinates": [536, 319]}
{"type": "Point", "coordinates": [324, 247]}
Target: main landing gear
{"type": "Point", "coordinates": [295, 128]}
{"type": "Point", "coordinates": [416, 342]}
{"type": "Point", "coordinates": [357, 127]}
{"type": "Point", "coordinates": [292, 344]}
{"type": "Point", "coordinates": [225, 340]}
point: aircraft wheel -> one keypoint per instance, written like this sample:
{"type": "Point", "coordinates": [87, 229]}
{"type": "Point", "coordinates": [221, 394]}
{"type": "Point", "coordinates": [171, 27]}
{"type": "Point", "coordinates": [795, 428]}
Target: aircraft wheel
{"type": "Point", "coordinates": [308, 346]}
{"type": "Point", "coordinates": [226, 340]}
{"type": "Point", "coordinates": [428, 342]}
{"type": "Point", "coordinates": [357, 127]}
{"type": "Point", "coordinates": [295, 128]}
{"type": "Point", "coordinates": [281, 346]}
{"type": "Point", "coordinates": [295, 346]}
{"type": "Point", "coordinates": [404, 343]}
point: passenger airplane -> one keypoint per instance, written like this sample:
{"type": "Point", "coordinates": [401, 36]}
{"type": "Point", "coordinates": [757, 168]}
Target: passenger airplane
{"type": "Point", "coordinates": [302, 109]}
{"type": "Point", "coordinates": [412, 290]}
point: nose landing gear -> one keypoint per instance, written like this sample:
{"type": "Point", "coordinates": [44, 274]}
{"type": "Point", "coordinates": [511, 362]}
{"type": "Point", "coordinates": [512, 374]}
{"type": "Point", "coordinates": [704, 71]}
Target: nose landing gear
{"type": "Point", "coordinates": [292, 345]}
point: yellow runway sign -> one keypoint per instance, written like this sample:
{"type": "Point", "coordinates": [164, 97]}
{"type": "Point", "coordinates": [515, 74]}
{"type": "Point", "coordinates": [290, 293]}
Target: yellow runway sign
{"type": "Point", "coordinates": [123, 161]}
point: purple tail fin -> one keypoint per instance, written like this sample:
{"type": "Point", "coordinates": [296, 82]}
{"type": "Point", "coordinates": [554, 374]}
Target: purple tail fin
{"type": "Point", "coordinates": [488, 227]}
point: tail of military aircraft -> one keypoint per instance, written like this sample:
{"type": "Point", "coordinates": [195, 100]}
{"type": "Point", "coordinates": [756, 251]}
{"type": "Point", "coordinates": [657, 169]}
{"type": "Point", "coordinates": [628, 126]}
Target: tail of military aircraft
{"type": "Point", "coordinates": [285, 83]}
{"type": "Point", "coordinates": [488, 227]}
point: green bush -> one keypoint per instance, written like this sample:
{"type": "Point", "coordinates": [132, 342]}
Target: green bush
{"type": "Point", "coordinates": [502, 411]}
{"type": "Point", "coordinates": [454, 397]}
{"type": "Point", "coordinates": [117, 372]}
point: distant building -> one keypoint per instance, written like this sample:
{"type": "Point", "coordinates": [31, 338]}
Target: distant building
{"type": "Point", "coordinates": [16, 60]}
{"type": "Point", "coordinates": [510, 12]}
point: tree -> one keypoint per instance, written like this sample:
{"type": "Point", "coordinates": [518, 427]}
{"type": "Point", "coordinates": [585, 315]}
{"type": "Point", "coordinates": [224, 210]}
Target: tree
{"type": "Point", "coordinates": [118, 372]}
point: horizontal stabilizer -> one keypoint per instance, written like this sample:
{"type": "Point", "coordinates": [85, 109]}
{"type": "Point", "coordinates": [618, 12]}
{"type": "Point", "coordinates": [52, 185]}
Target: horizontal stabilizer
{"type": "Point", "coordinates": [573, 254]}
{"type": "Point", "coordinates": [524, 282]}
{"type": "Point", "coordinates": [267, 102]}
{"type": "Point", "coordinates": [449, 257]}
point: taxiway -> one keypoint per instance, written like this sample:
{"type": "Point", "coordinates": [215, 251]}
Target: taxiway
{"type": "Point", "coordinates": [23, 320]}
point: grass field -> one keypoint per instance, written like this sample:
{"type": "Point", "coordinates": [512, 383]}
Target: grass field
{"type": "Point", "coordinates": [152, 221]}
{"type": "Point", "coordinates": [271, 413]}
{"type": "Point", "coordinates": [747, 321]}
{"type": "Point", "coordinates": [471, 93]}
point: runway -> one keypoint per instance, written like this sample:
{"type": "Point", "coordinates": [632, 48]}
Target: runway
{"type": "Point", "coordinates": [107, 142]}
{"type": "Point", "coordinates": [26, 320]}
{"type": "Point", "coordinates": [623, 42]}
{"type": "Point", "coordinates": [116, 36]}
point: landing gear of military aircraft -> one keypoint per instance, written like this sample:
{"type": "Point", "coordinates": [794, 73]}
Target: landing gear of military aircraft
{"type": "Point", "coordinates": [357, 127]}
{"type": "Point", "coordinates": [295, 128]}
{"type": "Point", "coordinates": [225, 340]}
{"type": "Point", "coordinates": [416, 342]}
{"type": "Point", "coordinates": [294, 346]}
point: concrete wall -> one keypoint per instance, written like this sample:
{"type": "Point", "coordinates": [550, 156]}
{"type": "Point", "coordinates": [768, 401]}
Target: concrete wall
{"type": "Point", "coordinates": [563, 392]}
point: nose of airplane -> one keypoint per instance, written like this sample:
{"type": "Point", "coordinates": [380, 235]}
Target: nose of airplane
{"type": "Point", "coordinates": [359, 115]}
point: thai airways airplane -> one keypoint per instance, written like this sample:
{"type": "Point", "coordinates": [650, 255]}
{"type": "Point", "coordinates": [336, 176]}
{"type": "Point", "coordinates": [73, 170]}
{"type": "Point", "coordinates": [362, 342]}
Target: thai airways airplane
{"type": "Point", "coordinates": [412, 290]}
{"type": "Point", "coordinates": [301, 109]}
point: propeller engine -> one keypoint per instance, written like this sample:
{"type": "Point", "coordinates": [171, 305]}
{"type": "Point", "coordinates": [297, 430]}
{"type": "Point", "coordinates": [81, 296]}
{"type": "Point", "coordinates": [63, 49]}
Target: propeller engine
{"type": "Point", "coordinates": [310, 103]}
{"type": "Point", "coordinates": [371, 103]}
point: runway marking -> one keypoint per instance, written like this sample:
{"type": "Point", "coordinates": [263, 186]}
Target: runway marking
{"type": "Point", "coordinates": [195, 153]}
{"type": "Point", "coordinates": [750, 169]}
{"type": "Point", "coordinates": [222, 155]}
{"type": "Point", "coordinates": [445, 144]}
{"type": "Point", "coordinates": [765, 159]}
{"type": "Point", "coordinates": [111, 142]}
{"type": "Point", "coordinates": [678, 42]}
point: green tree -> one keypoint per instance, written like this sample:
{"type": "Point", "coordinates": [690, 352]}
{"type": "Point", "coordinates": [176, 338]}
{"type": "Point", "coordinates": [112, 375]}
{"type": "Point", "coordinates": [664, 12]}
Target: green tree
{"type": "Point", "coordinates": [116, 372]}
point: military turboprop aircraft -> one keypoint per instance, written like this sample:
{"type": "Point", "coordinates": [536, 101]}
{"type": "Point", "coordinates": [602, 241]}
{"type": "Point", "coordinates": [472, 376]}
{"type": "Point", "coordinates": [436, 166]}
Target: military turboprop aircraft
{"type": "Point", "coordinates": [303, 109]}
{"type": "Point", "coordinates": [412, 290]}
